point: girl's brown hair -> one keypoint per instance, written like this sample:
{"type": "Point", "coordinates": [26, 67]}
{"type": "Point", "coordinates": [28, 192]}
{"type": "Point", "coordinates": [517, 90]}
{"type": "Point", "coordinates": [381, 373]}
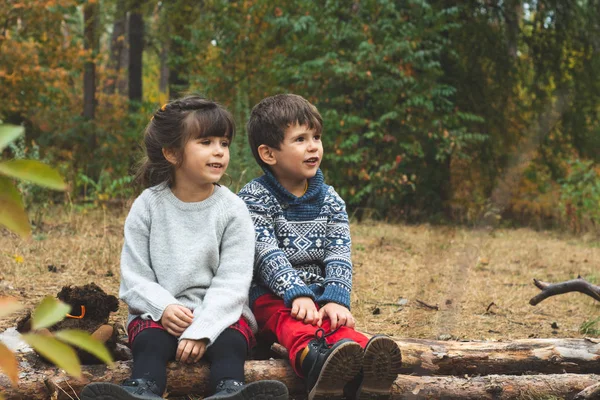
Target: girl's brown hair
{"type": "Point", "coordinates": [172, 126]}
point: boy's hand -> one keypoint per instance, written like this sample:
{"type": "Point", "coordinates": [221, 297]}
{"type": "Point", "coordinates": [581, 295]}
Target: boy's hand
{"type": "Point", "coordinates": [190, 351]}
{"type": "Point", "coordinates": [304, 309]}
{"type": "Point", "coordinates": [176, 319]}
{"type": "Point", "coordinates": [338, 315]}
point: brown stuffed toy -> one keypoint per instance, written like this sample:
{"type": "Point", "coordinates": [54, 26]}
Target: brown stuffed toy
{"type": "Point", "coordinates": [90, 309]}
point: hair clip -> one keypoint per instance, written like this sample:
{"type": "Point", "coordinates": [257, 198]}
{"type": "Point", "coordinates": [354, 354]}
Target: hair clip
{"type": "Point", "coordinates": [163, 107]}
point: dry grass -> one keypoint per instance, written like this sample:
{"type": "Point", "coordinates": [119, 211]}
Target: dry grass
{"type": "Point", "coordinates": [461, 271]}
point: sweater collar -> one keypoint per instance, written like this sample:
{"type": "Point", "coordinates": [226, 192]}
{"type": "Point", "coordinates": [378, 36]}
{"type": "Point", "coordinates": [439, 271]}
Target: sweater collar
{"type": "Point", "coordinates": [214, 198]}
{"type": "Point", "coordinates": [314, 192]}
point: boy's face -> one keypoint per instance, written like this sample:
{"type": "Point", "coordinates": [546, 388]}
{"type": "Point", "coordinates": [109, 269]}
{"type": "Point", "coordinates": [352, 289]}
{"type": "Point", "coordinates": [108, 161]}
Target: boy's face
{"type": "Point", "coordinates": [299, 155]}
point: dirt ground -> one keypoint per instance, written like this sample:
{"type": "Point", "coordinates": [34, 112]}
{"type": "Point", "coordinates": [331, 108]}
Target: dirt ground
{"type": "Point", "coordinates": [409, 281]}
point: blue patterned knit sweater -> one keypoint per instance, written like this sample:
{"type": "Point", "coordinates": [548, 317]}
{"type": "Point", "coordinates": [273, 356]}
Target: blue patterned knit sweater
{"type": "Point", "coordinates": [302, 243]}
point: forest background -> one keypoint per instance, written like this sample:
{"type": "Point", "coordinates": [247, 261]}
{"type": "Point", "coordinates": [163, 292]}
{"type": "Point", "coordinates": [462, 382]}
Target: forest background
{"type": "Point", "coordinates": [473, 111]}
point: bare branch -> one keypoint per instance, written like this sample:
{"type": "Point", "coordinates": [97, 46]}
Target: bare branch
{"type": "Point", "coordinates": [575, 285]}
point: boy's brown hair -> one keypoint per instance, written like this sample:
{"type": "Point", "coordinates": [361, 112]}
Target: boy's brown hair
{"type": "Point", "coordinates": [273, 115]}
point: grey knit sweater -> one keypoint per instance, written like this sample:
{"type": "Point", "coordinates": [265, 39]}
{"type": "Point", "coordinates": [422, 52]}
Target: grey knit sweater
{"type": "Point", "coordinates": [199, 255]}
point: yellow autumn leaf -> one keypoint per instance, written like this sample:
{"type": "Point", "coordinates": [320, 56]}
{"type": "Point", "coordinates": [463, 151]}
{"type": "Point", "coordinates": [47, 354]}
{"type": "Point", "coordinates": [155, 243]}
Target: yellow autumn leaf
{"type": "Point", "coordinates": [8, 363]}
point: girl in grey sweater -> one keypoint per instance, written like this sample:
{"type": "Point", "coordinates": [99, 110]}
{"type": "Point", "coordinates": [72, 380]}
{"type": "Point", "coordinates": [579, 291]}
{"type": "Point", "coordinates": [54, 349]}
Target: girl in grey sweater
{"type": "Point", "coordinates": [187, 260]}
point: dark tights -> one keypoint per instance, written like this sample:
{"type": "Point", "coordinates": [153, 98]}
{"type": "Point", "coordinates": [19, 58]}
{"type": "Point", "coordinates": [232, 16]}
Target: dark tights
{"type": "Point", "coordinates": [153, 348]}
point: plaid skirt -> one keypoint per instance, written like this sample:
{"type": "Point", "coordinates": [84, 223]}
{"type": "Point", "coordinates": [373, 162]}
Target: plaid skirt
{"type": "Point", "coordinates": [139, 324]}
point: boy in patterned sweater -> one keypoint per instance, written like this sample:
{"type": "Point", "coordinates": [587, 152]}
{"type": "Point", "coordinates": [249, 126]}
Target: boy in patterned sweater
{"type": "Point", "coordinates": [300, 295]}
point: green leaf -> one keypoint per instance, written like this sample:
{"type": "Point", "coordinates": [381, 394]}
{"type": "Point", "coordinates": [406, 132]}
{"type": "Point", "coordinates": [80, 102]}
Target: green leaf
{"type": "Point", "coordinates": [9, 305]}
{"type": "Point", "coordinates": [12, 211]}
{"type": "Point", "coordinates": [9, 364]}
{"type": "Point", "coordinates": [85, 341]}
{"type": "Point", "coordinates": [33, 171]}
{"type": "Point", "coordinates": [56, 351]}
{"type": "Point", "coordinates": [49, 312]}
{"type": "Point", "coordinates": [8, 133]}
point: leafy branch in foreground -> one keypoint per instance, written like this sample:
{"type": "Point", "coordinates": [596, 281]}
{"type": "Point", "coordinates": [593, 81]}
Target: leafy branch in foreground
{"type": "Point", "coordinates": [12, 210]}
{"type": "Point", "coordinates": [57, 346]}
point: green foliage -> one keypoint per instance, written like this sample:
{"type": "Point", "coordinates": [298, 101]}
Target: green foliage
{"type": "Point", "coordinates": [390, 121]}
{"type": "Point", "coordinates": [61, 354]}
{"type": "Point", "coordinates": [12, 211]}
{"type": "Point", "coordinates": [56, 348]}
{"type": "Point", "coordinates": [106, 188]}
{"type": "Point", "coordinates": [590, 327]}
{"type": "Point", "coordinates": [36, 199]}
{"type": "Point", "coordinates": [427, 103]}
{"type": "Point", "coordinates": [580, 195]}
{"type": "Point", "coordinates": [49, 312]}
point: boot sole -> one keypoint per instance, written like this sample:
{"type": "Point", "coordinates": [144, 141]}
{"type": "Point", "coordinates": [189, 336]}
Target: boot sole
{"type": "Point", "coordinates": [259, 390]}
{"type": "Point", "coordinates": [342, 365]}
{"type": "Point", "coordinates": [110, 391]}
{"type": "Point", "coordinates": [381, 366]}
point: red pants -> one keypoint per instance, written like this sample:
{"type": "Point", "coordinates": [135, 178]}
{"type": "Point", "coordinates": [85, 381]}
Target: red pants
{"type": "Point", "coordinates": [276, 323]}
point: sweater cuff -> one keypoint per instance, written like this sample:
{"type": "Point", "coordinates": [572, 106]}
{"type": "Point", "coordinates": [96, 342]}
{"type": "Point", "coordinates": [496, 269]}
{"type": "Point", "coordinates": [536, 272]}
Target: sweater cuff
{"type": "Point", "coordinates": [201, 330]}
{"type": "Point", "coordinates": [335, 294]}
{"type": "Point", "coordinates": [295, 292]}
{"type": "Point", "coordinates": [158, 306]}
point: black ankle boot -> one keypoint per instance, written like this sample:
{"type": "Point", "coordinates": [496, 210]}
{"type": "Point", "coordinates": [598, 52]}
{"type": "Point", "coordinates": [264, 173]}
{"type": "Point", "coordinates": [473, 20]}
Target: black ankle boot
{"type": "Point", "coordinates": [131, 389]}
{"type": "Point", "coordinates": [260, 390]}
{"type": "Point", "coordinates": [381, 365]}
{"type": "Point", "coordinates": [327, 368]}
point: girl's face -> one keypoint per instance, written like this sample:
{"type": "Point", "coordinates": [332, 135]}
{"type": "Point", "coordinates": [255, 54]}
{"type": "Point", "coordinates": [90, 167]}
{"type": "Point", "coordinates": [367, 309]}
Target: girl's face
{"type": "Point", "coordinates": [205, 160]}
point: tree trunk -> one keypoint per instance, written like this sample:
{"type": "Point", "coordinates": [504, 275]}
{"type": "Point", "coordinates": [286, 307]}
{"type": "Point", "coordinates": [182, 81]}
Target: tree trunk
{"type": "Point", "coordinates": [89, 73]}
{"type": "Point", "coordinates": [117, 47]}
{"type": "Point", "coordinates": [567, 359]}
{"type": "Point", "coordinates": [136, 50]}
{"type": "Point", "coordinates": [123, 77]}
{"type": "Point", "coordinates": [512, 15]}
{"type": "Point", "coordinates": [163, 82]}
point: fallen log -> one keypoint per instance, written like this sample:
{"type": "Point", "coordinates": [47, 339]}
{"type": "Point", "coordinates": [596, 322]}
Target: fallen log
{"type": "Point", "coordinates": [589, 393]}
{"type": "Point", "coordinates": [186, 380]}
{"type": "Point", "coordinates": [496, 387]}
{"type": "Point", "coordinates": [434, 357]}
{"type": "Point", "coordinates": [182, 379]}
{"type": "Point", "coordinates": [548, 356]}
{"type": "Point", "coordinates": [420, 357]}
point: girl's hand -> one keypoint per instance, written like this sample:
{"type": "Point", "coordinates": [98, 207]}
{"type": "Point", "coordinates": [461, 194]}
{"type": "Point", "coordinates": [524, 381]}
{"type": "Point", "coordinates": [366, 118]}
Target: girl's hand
{"type": "Point", "coordinates": [304, 309]}
{"type": "Point", "coordinates": [338, 315]}
{"type": "Point", "coordinates": [190, 351]}
{"type": "Point", "coordinates": [176, 319]}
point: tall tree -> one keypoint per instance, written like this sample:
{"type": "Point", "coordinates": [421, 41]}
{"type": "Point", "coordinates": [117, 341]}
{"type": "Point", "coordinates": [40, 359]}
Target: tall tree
{"type": "Point", "coordinates": [90, 44]}
{"type": "Point", "coordinates": [136, 51]}
{"type": "Point", "coordinates": [118, 53]}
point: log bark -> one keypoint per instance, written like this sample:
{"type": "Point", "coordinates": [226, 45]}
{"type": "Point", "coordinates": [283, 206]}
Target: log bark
{"type": "Point", "coordinates": [420, 357]}
{"type": "Point", "coordinates": [549, 356]}
{"type": "Point", "coordinates": [589, 393]}
{"type": "Point", "coordinates": [182, 379]}
{"type": "Point", "coordinates": [496, 387]}
{"type": "Point", "coordinates": [185, 380]}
